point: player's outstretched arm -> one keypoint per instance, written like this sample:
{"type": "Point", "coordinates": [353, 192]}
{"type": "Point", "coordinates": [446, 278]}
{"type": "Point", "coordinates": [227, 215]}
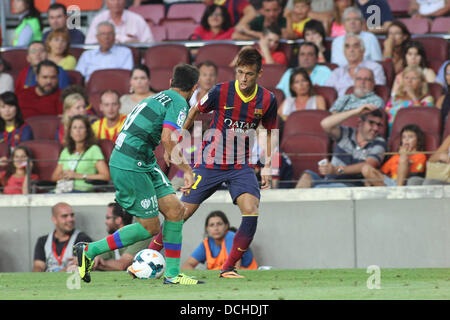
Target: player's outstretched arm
{"type": "Point", "coordinates": [266, 172]}
{"type": "Point", "coordinates": [192, 116]}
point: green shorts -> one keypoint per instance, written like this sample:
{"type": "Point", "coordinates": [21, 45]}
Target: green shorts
{"type": "Point", "coordinates": [138, 192]}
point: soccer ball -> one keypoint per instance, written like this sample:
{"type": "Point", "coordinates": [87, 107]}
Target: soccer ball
{"type": "Point", "coordinates": [148, 264]}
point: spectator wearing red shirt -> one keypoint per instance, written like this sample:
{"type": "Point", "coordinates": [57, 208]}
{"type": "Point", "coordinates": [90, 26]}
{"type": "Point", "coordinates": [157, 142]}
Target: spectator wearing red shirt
{"type": "Point", "coordinates": [215, 25]}
{"type": "Point", "coordinates": [241, 11]}
{"type": "Point", "coordinates": [44, 98]}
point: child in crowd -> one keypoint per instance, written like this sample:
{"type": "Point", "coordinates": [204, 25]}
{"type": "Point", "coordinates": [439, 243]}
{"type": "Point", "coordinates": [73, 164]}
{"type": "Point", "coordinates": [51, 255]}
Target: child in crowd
{"type": "Point", "coordinates": [14, 178]}
{"type": "Point", "coordinates": [297, 18]}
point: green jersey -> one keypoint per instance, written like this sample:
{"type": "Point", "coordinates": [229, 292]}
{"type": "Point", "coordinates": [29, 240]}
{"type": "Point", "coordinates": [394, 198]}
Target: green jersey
{"type": "Point", "coordinates": [141, 131]}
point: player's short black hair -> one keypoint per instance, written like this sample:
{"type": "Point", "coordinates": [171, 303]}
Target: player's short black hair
{"type": "Point", "coordinates": [249, 57]}
{"type": "Point", "coordinates": [185, 77]}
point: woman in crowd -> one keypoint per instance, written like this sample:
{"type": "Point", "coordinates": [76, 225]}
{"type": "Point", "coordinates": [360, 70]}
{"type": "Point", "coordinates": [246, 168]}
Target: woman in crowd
{"type": "Point", "coordinates": [315, 32]}
{"type": "Point", "coordinates": [14, 178]}
{"type": "Point", "coordinates": [73, 104]}
{"type": "Point", "coordinates": [397, 37]}
{"type": "Point", "coordinates": [6, 80]}
{"type": "Point", "coordinates": [302, 97]}
{"type": "Point", "coordinates": [336, 27]}
{"type": "Point", "coordinates": [139, 88]}
{"type": "Point", "coordinates": [216, 246]}
{"type": "Point", "coordinates": [57, 46]}
{"type": "Point", "coordinates": [215, 24]}
{"type": "Point", "coordinates": [206, 80]}
{"type": "Point", "coordinates": [81, 159]}
{"type": "Point", "coordinates": [30, 24]}
{"type": "Point", "coordinates": [412, 92]}
{"type": "Point", "coordinates": [443, 102]}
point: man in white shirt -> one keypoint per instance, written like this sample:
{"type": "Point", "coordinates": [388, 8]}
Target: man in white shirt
{"type": "Point", "coordinates": [353, 20]}
{"type": "Point", "coordinates": [107, 56]}
{"type": "Point", "coordinates": [129, 26]}
{"type": "Point", "coordinates": [428, 8]}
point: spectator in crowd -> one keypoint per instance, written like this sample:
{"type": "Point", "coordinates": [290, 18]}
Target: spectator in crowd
{"type": "Point", "coordinates": [271, 15]}
{"type": "Point", "coordinates": [377, 24]}
{"type": "Point", "coordinates": [110, 125]}
{"type": "Point", "coordinates": [73, 104]}
{"type": "Point", "coordinates": [414, 55]}
{"type": "Point", "coordinates": [6, 80]}
{"type": "Point", "coordinates": [343, 77]}
{"type": "Point", "coordinates": [57, 46]}
{"type": "Point", "coordinates": [129, 26]}
{"type": "Point", "coordinates": [27, 77]}
{"type": "Point", "coordinates": [119, 259]}
{"type": "Point", "coordinates": [336, 26]}
{"type": "Point", "coordinates": [206, 80]}
{"type": "Point", "coordinates": [412, 92]}
{"type": "Point", "coordinates": [241, 11]}
{"type": "Point", "coordinates": [355, 147]}
{"type": "Point", "coordinates": [363, 93]}
{"type": "Point", "coordinates": [81, 159]}
{"type": "Point", "coordinates": [428, 8]}
{"type": "Point", "coordinates": [268, 47]}
{"type": "Point", "coordinates": [303, 96]}
{"type": "Point", "coordinates": [406, 163]}
{"type": "Point", "coordinates": [353, 21]}
{"type": "Point", "coordinates": [308, 54]}
{"type": "Point", "coordinates": [394, 44]}
{"type": "Point", "coordinates": [216, 247]}
{"type": "Point", "coordinates": [215, 25]}
{"type": "Point", "coordinates": [30, 24]}
{"type": "Point", "coordinates": [441, 155]}
{"type": "Point", "coordinates": [53, 252]}
{"type": "Point", "coordinates": [44, 98]}
{"type": "Point", "coordinates": [139, 88]}
{"type": "Point", "coordinates": [297, 18]}
{"type": "Point", "coordinates": [107, 56]}
{"type": "Point", "coordinates": [14, 129]}
{"type": "Point", "coordinates": [440, 78]}
{"type": "Point", "coordinates": [14, 179]}
{"type": "Point", "coordinates": [443, 102]}
{"type": "Point", "coordinates": [314, 32]}
{"type": "Point", "coordinates": [321, 10]}
{"type": "Point", "coordinates": [57, 19]}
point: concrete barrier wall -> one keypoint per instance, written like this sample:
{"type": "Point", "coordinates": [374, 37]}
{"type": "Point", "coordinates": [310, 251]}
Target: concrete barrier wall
{"type": "Point", "coordinates": [405, 227]}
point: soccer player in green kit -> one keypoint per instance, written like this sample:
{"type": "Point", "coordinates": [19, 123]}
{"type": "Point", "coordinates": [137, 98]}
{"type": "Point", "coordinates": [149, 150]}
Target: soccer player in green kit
{"type": "Point", "coordinates": [142, 189]}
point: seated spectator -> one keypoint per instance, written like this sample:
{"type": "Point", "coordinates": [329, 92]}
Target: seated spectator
{"type": "Point", "coordinates": [110, 125]}
{"type": "Point", "coordinates": [441, 155]}
{"type": "Point", "coordinates": [215, 249]}
{"type": "Point", "coordinates": [314, 32]}
{"type": "Point", "coordinates": [336, 27]}
{"type": "Point", "coordinates": [353, 21]}
{"type": "Point", "coordinates": [412, 92]}
{"type": "Point", "coordinates": [14, 178]}
{"type": "Point", "coordinates": [30, 23]}
{"type": "Point", "coordinates": [297, 18]}
{"type": "Point", "coordinates": [353, 150]}
{"type": "Point", "coordinates": [117, 218]}
{"type": "Point", "coordinates": [206, 80]}
{"type": "Point", "coordinates": [107, 56]}
{"type": "Point", "coordinates": [302, 97]}
{"type": "Point", "coordinates": [343, 77]}
{"type": "Point", "coordinates": [57, 46]}
{"type": "Point", "coordinates": [307, 57]}
{"type": "Point", "coordinates": [321, 10]}
{"type": "Point", "coordinates": [73, 104]}
{"type": "Point", "coordinates": [27, 77]}
{"type": "Point", "coordinates": [139, 88]}
{"type": "Point", "coordinates": [268, 47]}
{"type": "Point", "coordinates": [81, 159]}
{"type": "Point", "coordinates": [271, 15]}
{"type": "Point", "coordinates": [406, 163]}
{"type": "Point", "coordinates": [6, 80]}
{"type": "Point", "coordinates": [241, 11]}
{"type": "Point", "coordinates": [428, 8]}
{"type": "Point", "coordinates": [57, 19]}
{"type": "Point", "coordinates": [129, 26]}
{"type": "Point", "coordinates": [363, 93]}
{"type": "Point", "coordinates": [49, 253]}
{"type": "Point", "coordinates": [443, 102]}
{"type": "Point", "coordinates": [215, 25]}
{"type": "Point", "coordinates": [414, 55]}
{"type": "Point", "coordinates": [379, 25]}
{"type": "Point", "coordinates": [14, 129]}
{"type": "Point", "coordinates": [44, 98]}
{"type": "Point", "coordinates": [394, 44]}
{"type": "Point", "coordinates": [440, 78]}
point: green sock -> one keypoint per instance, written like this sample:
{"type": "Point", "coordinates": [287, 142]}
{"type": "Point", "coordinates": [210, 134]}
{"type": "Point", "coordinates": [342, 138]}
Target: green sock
{"type": "Point", "coordinates": [172, 238]}
{"type": "Point", "coordinates": [123, 237]}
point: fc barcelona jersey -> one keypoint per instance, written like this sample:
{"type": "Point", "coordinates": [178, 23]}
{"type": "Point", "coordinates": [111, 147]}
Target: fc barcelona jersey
{"type": "Point", "coordinates": [232, 132]}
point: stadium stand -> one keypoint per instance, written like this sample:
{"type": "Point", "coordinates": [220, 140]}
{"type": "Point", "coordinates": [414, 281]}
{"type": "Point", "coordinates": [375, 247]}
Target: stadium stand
{"type": "Point", "coordinates": [160, 77]}
{"type": "Point", "coordinates": [271, 75]}
{"type": "Point", "coordinates": [46, 154]}
{"type": "Point", "coordinates": [166, 55]}
{"type": "Point", "coordinates": [179, 30]}
{"type": "Point", "coordinates": [224, 73]}
{"type": "Point", "coordinates": [328, 93]}
{"type": "Point", "coordinates": [4, 150]}
{"type": "Point", "coordinates": [152, 13]}
{"type": "Point", "coordinates": [416, 25]}
{"type": "Point", "coordinates": [16, 58]}
{"type": "Point", "coordinates": [44, 127]}
{"type": "Point", "coordinates": [159, 33]}
{"type": "Point", "coordinates": [84, 5]}
{"type": "Point", "coordinates": [219, 53]}
{"type": "Point", "coordinates": [304, 121]}
{"type": "Point", "coordinates": [180, 10]}
{"type": "Point", "coordinates": [75, 77]}
{"type": "Point", "coordinates": [399, 8]}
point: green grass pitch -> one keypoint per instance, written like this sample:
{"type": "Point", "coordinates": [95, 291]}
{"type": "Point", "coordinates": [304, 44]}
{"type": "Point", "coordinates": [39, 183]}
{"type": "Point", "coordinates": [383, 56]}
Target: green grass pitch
{"type": "Point", "coordinates": [329, 284]}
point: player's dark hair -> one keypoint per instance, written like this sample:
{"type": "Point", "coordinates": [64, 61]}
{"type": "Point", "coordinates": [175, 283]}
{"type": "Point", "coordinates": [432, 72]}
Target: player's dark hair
{"type": "Point", "coordinates": [10, 98]}
{"type": "Point", "coordinates": [118, 211]}
{"type": "Point", "coordinates": [249, 57]}
{"type": "Point", "coordinates": [419, 135]}
{"type": "Point", "coordinates": [90, 136]}
{"type": "Point", "coordinates": [219, 214]}
{"type": "Point", "coordinates": [185, 77]}
{"type": "Point", "coordinates": [46, 63]}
